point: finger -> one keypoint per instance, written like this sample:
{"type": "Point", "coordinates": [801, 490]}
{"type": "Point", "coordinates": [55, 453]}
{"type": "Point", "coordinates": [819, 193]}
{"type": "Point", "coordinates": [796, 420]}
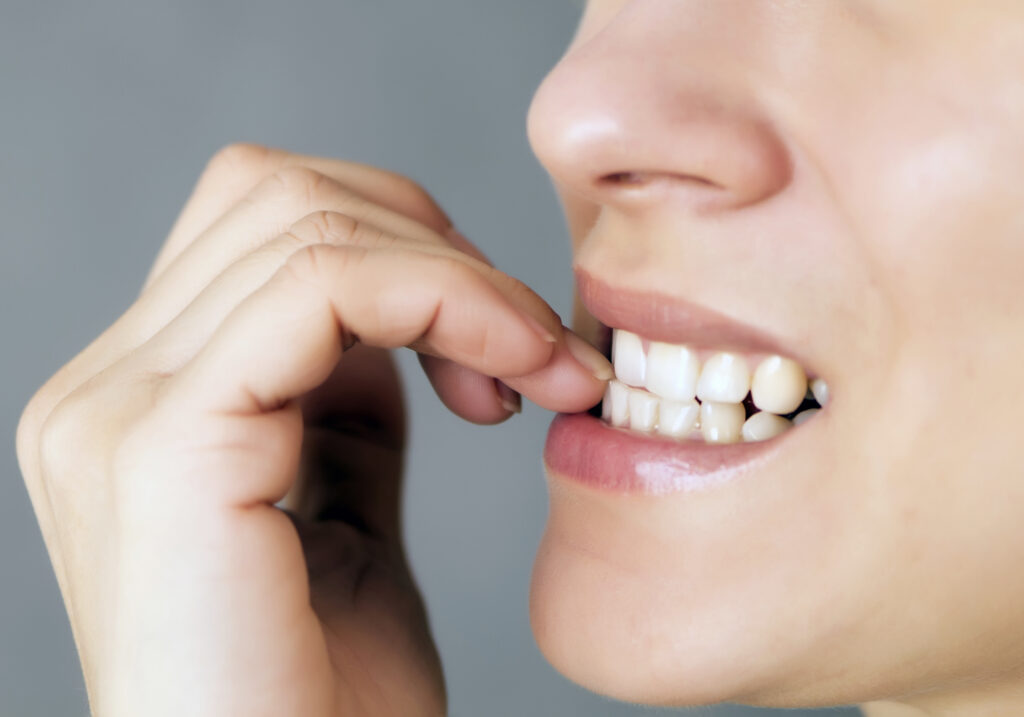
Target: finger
{"type": "Point", "coordinates": [560, 385]}
{"type": "Point", "coordinates": [475, 397]}
{"type": "Point", "coordinates": [470, 394]}
{"type": "Point", "coordinates": [574, 382]}
{"type": "Point", "coordinates": [287, 337]}
{"type": "Point", "coordinates": [267, 212]}
{"type": "Point", "coordinates": [182, 338]}
{"type": "Point", "coordinates": [237, 169]}
{"type": "Point", "coordinates": [229, 176]}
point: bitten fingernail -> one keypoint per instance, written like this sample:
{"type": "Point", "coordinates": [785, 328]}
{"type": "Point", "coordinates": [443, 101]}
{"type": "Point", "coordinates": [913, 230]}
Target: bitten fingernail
{"type": "Point", "coordinates": [510, 400]}
{"type": "Point", "coordinates": [588, 357]}
{"type": "Point", "coordinates": [539, 328]}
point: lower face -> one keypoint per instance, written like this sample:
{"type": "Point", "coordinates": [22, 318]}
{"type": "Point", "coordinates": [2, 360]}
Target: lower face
{"type": "Point", "coordinates": [674, 564]}
{"type": "Point", "coordinates": [817, 566]}
{"type": "Point", "coordinates": [872, 551]}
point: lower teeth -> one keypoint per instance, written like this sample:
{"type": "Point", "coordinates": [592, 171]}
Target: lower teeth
{"type": "Point", "coordinates": [639, 410]}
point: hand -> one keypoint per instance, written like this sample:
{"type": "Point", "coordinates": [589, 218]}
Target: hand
{"type": "Point", "coordinates": [156, 457]}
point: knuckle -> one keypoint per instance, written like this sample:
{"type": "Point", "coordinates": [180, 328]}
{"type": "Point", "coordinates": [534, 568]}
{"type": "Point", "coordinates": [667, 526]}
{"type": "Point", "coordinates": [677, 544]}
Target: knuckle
{"type": "Point", "coordinates": [311, 263]}
{"type": "Point", "coordinates": [30, 424]}
{"type": "Point", "coordinates": [326, 227]}
{"type": "Point", "coordinates": [78, 435]}
{"type": "Point", "coordinates": [306, 264]}
{"type": "Point", "coordinates": [63, 436]}
{"type": "Point", "coordinates": [238, 159]}
{"type": "Point", "coordinates": [297, 184]}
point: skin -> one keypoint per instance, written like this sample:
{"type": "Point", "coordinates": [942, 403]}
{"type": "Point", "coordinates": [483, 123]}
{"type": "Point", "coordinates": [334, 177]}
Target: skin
{"type": "Point", "coordinates": [846, 176]}
{"type": "Point", "coordinates": [155, 458]}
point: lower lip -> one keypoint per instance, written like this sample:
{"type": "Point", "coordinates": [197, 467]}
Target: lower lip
{"type": "Point", "coordinates": [583, 448]}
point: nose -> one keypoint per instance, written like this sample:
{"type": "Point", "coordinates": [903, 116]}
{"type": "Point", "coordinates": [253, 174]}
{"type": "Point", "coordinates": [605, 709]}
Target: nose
{"type": "Point", "coordinates": [644, 111]}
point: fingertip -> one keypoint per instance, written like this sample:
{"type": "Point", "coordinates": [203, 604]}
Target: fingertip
{"type": "Point", "coordinates": [509, 399]}
{"type": "Point", "coordinates": [562, 385]}
{"type": "Point", "coordinates": [469, 394]}
{"type": "Point", "coordinates": [573, 380]}
{"type": "Point", "coordinates": [587, 356]}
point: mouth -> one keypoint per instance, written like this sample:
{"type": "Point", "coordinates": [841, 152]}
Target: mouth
{"type": "Point", "coordinates": [697, 397]}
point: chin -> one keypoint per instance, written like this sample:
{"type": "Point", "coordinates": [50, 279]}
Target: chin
{"type": "Point", "coordinates": [614, 633]}
{"type": "Point", "coordinates": [643, 600]}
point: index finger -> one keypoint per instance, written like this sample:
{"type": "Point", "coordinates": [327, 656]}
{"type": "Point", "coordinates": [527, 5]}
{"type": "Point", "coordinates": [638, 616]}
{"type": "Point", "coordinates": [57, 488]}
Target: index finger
{"type": "Point", "coordinates": [286, 339]}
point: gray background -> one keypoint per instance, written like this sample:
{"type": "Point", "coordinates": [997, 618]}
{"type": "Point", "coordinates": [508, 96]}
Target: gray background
{"type": "Point", "coordinates": [108, 111]}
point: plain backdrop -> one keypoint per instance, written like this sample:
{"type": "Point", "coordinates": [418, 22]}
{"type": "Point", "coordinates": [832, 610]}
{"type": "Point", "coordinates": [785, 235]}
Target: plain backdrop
{"type": "Point", "coordinates": [108, 112]}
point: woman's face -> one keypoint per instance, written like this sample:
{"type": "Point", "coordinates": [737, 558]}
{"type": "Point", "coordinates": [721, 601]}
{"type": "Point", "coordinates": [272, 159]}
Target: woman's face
{"type": "Point", "coordinates": [840, 182]}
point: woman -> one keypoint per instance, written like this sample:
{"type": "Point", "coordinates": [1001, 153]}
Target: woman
{"type": "Point", "coordinates": [763, 197]}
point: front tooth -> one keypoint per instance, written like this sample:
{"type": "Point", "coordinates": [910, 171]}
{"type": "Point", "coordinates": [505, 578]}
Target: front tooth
{"type": "Point", "coordinates": [763, 425]}
{"type": "Point", "coordinates": [618, 398]}
{"type": "Point", "coordinates": [628, 357]}
{"type": "Point", "coordinates": [643, 410]}
{"type": "Point", "coordinates": [820, 390]}
{"type": "Point", "coordinates": [804, 416]}
{"type": "Point", "coordinates": [779, 385]}
{"type": "Point", "coordinates": [672, 371]}
{"type": "Point", "coordinates": [677, 418]}
{"type": "Point", "coordinates": [724, 379]}
{"type": "Point", "coordinates": [721, 422]}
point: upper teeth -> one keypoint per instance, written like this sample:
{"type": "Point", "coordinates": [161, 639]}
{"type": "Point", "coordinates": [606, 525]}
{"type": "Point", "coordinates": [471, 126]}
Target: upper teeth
{"type": "Point", "coordinates": [779, 385]}
{"type": "Point", "coordinates": [674, 380]}
{"type": "Point", "coordinates": [725, 378]}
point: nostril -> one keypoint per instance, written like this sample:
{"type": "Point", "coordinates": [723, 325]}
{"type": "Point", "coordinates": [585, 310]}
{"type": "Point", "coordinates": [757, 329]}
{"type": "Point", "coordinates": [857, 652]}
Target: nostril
{"type": "Point", "coordinates": [638, 179]}
{"type": "Point", "coordinates": [628, 178]}
{"type": "Point", "coordinates": [637, 189]}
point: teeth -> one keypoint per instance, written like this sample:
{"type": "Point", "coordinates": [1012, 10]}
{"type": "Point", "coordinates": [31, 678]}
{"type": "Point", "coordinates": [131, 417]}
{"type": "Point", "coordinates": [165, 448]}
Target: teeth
{"type": "Point", "coordinates": [678, 419]}
{"type": "Point", "coordinates": [820, 390]}
{"type": "Point", "coordinates": [643, 410]}
{"type": "Point", "coordinates": [724, 379]}
{"type": "Point", "coordinates": [672, 371]}
{"type": "Point", "coordinates": [804, 416]}
{"type": "Point", "coordinates": [721, 422]}
{"type": "Point", "coordinates": [779, 385]}
{"type": "Point", "coordinates": [763, 425]}
{"type": "Point", "coordinates": [657, 391]}
{"type": "Point", "coordinates": [628, 358]}
{"type": "Point", "coordinates": [618, 397]}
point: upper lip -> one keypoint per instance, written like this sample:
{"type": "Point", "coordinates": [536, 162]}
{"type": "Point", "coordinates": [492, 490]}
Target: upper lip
{"type": "Point", "coordinates": [672, 319]}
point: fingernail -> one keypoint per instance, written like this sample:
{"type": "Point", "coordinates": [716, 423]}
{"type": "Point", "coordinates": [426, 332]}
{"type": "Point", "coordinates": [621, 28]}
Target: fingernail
{"type": "Point", "coordinates": [510, 400]}
{"type": "Point", "coordinates": [539, 328]}
{"type": "Point", "coordinates": [589, 357]}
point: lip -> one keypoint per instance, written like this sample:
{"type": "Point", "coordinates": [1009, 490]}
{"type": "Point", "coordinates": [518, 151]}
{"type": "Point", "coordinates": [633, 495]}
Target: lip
{"type": "Point", "coordinates": [583, 448]}
{"type": "Point", "coordinates": [662, 317]}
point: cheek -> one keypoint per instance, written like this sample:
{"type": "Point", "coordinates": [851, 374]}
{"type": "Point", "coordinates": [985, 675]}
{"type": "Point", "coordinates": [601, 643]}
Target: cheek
{"type": "Point", "coordinates": [937, 193]}
{"type": "Point", "coordinates": [942, 225]}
